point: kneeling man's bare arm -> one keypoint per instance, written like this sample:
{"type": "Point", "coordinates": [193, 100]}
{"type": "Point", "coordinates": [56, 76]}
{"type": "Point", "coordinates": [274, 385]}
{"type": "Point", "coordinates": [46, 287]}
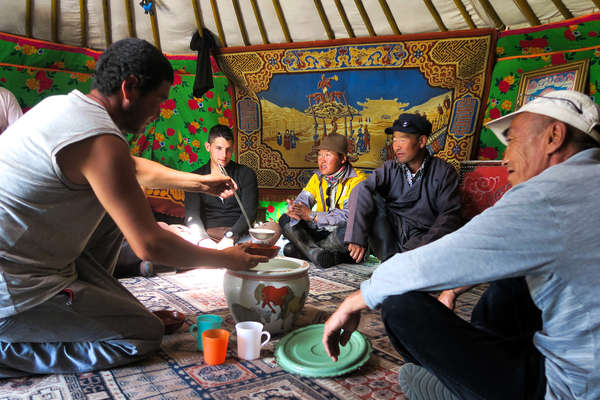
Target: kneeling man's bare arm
{"type": "Point", "coordinates": [153, 175]}
{"type": "Point", "coordinates": [105, 163]}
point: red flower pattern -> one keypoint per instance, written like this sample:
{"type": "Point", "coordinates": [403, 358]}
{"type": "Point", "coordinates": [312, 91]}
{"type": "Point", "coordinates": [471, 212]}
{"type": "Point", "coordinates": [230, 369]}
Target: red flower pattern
{"type": "Point", "coordinates": [503, 86]}
{"type": "Point", "coordinates": [176, 80]}
{"type": "Point", "coordinates": [143, 143]}
{"type": "Point", "coordinates": [488, 153]}
{"type": "Point", "coordinates": [494, 113]}
{"type": "Point", "coordinates": [569, 34]}
{"type": "Point", "coordinates": [45, 82]}
{"type": "Point", "coordinates": [534, 43]}
{"type": "Point", "coordinates": [190, 152]}
{"type": "Point", "coordinates": [558, 58]}
{"type": "Point", "coordinates": [193, 104]}
{"type": "Point", "coordinates": [169, 104]}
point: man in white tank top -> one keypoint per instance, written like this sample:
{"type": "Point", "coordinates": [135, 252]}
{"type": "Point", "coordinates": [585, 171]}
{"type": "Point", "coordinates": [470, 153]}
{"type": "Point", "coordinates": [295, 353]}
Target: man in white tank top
{"type": "Point", "coordinates": [61, 311]}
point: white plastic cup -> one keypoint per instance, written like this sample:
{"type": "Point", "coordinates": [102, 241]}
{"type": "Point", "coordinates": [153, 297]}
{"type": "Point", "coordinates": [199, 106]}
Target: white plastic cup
{"type": "Point", "coordinates": [249, 334]}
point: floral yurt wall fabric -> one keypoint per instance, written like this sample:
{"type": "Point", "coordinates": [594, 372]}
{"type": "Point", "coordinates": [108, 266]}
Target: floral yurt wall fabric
{"type": "Point", "coordinates": [521, 51]}
{"type": "Point", "coordinates": [34, 69]}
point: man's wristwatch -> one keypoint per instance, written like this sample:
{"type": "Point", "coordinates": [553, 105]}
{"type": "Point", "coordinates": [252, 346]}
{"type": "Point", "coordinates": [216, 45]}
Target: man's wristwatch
{"type": "Point", "coordinates": [313, 216]}
{"type": "Point", "coordinates": [230, 235]}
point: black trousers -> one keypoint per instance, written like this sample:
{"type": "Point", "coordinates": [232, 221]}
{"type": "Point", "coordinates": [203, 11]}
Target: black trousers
{"type": "Point", "coordinates": [383, 238]}
{"type": "Point", "coordinates": [328, 240]}
{"type": "Point", "coordinates": [493, 357]}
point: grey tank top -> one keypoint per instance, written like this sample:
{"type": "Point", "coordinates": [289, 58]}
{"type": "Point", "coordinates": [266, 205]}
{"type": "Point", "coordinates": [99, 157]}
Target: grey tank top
{"type": "Point", "coordinates": [45, 220]}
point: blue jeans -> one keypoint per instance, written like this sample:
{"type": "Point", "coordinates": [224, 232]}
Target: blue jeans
{"type": "Point", "coordinates": [95, 323]}
{"type": "Point", "coordinates": [491, 358]}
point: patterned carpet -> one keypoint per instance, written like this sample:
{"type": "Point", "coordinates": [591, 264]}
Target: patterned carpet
{"type": "Point", "coordinates": [178, 371]}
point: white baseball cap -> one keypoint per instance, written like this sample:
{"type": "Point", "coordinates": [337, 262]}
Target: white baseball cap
{"type": "Point", "coordinates": [573, 108]}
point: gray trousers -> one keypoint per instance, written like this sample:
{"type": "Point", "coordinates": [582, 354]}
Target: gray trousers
{"type": "Point", "coordinates": [94, 324]}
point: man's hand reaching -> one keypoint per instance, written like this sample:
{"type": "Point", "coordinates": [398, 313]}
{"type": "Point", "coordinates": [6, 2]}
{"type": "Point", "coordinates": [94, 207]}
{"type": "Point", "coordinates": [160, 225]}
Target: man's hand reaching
{"type": "Point", "coordinates": [218, 185]}
{"type": "Point", "coordinates": [239, 259]}
{"type": "Point", "coordinates": [342, 323]}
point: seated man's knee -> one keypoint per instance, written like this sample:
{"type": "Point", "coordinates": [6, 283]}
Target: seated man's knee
{"type": "Point", "coordinates": [147, 327]}
{"type": "Point", "coordinates": [403, 307]}
{"type": "Point", "coordinates": [283, 220]}
{"type": "Point", "coordinates": [156, 328]}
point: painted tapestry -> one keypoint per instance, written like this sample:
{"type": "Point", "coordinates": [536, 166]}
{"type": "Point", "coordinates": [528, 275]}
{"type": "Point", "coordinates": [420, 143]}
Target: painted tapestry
{"type": "Point", "coordinates": [290, 97]}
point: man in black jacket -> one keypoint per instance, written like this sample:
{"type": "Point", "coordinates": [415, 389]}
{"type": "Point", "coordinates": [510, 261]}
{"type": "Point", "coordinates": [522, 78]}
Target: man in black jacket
{"type": "Point", "coordinates": [219, 219]}
{"type": "Point", "coordinates": [407, 202]}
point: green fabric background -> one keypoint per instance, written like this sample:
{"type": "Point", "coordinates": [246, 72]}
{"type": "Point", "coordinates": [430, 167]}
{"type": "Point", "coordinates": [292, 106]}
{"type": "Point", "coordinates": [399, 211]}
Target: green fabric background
{"type": "Point", "coordinates": [34, 69]}
{"type": "Point", "coordinates": [564, 40]}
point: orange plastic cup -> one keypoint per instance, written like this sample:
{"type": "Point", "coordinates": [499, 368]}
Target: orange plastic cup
{"type": "Point", "coordinates": [214, 342]}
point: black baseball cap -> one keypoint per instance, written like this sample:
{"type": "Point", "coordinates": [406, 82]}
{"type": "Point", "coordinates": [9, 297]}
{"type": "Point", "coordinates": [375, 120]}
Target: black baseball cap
{"type": "Point", "coordinates": [410, 123]}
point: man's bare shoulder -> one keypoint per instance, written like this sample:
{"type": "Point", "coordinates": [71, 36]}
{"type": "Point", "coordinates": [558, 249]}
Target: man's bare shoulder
{"type": "Point", "coordinates": [103, 149]}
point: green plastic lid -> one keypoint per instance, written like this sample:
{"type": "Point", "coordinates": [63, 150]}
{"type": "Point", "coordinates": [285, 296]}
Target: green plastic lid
{"type": "Point", "coordinates": [301, 352]}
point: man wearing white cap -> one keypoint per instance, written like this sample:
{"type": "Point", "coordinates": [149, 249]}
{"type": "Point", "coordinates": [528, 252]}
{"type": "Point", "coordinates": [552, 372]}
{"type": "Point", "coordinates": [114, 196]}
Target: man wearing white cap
{"type": "Point", "coordinates": [544, 229]}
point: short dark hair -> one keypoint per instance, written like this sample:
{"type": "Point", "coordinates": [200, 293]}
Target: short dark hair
{"type": "Point", "coordinates": [128, 57]}
{"type": "Point", "coordinates": [581, 140]}
{"type": "Point", "coordinates": [220, 131]}
{"type": "Point", "coordinates": [578, 138]}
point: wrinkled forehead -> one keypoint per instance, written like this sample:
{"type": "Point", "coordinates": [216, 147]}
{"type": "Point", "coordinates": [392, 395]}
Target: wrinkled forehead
{"type": "Point", "coordinates": [405, 135]}
{"type": "Point", "coordinates": [526, 123]}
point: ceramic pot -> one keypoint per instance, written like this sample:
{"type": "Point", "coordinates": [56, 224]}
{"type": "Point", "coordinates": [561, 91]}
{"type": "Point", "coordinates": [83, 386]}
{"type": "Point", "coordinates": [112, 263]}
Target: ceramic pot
{"type": "Point", "coordinates": [272, 293]}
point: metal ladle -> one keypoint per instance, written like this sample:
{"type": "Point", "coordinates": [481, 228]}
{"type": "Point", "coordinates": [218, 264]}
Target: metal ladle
{"type": "Point", "coordinates": [259, 234]}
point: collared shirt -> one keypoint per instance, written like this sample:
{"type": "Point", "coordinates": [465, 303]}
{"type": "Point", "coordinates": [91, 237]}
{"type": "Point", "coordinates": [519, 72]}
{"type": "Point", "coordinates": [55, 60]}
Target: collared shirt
{"type": "Point", "coordinates": [546, 230]}
{"type": "Point", "coordinates": [413, 177]}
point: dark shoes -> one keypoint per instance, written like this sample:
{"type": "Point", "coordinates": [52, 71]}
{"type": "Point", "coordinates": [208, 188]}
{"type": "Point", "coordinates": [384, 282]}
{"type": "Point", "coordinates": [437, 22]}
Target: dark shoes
{"type": "Point", "coordinates": [289, 250]}
{"type": "Point", "coordinates": [419, 384]}
{"type": "Point", "coordinates": [320, 257]}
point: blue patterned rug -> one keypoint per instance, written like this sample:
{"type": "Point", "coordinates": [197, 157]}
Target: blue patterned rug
{"type": "Point", "coordinates": [178, 370]}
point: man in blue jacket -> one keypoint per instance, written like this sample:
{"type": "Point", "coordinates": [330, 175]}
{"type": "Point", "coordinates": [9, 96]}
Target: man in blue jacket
{"type": "Point", "coordinates": [407, 202]}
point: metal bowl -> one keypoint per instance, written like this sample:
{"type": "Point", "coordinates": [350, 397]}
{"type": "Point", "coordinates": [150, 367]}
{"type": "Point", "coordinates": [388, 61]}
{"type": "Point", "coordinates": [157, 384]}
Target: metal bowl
{"type": "Point", "coordinates": [261, 233]}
